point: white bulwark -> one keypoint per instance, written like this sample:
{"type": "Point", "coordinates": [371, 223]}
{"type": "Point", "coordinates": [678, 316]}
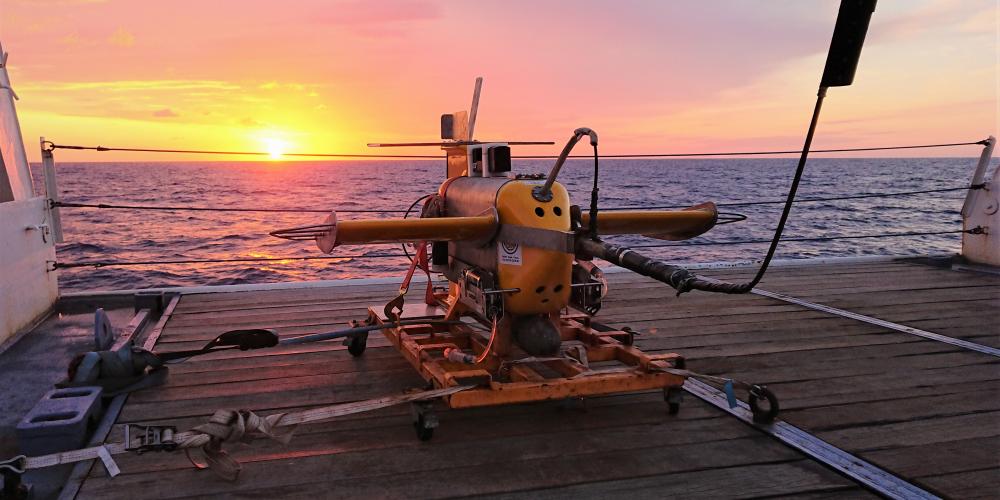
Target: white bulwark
{"type": "Point", "coordinates": [28, 289]}
{"type": "Point", "coordinates": [981, 210]}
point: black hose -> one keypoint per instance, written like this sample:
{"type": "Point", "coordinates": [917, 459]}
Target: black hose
{"type": "Point", "coordinates": [677, 277]}
{"type": "Point", "coordinates": [789, 201]}
{"type": "Point", "coordinates": [351, 332]}
{"type": "Point", "coordinates": [240, 341]}
{"type": "Point", "coordinates": [593, 198]}
{"type": "Point", "coordinates": [683, 280]}
{"type": "Point", "coordinates": [406, 215]}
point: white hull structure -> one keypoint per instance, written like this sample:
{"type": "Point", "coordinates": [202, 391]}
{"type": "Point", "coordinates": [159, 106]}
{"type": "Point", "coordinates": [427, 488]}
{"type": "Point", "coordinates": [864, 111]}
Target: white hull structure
{"type": "Point", "coordinates": [28, 289]}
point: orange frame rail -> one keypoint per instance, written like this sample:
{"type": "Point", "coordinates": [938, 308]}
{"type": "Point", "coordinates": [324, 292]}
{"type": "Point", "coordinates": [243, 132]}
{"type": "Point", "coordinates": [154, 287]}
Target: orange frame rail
{"type": "Point", "coordinates": [595, 362]}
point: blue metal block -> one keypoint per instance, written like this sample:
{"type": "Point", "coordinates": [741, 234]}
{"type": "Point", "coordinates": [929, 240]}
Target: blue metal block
{"type": "Point", "coordinates": [60, 421]}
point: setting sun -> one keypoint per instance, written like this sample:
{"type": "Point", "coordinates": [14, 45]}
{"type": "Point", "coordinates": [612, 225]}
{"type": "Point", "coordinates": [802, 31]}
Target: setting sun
{"type": "Point", "coordinates": [275, 147]}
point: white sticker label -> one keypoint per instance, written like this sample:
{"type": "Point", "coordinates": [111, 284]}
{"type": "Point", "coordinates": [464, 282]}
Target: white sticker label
{"type": "Point", "coordinates": [509, 253]}
{"type": "Point", "coordinates": [109, 463]}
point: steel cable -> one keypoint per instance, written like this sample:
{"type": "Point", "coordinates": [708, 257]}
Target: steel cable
{"type": "Point", "coordinates": [52, 146]}
{"type": "Point", "coordinates": [755, 153]}
{"type": "Point", "coordinates": [99, 264]}
{"type": "Point", "coordinates": [109, 263]}
{"type": "Point", "coordinates": [813, 200]}
{"type": "Point", "coordinates": [817, 238]}
{"type": "Point", "coordinates": [65, 204]}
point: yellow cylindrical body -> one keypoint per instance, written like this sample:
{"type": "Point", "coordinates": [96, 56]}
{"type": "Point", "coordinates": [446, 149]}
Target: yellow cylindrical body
{"type": "Point", "coordinates": [543, 276]}
{"type": "Point", "coordinates": [663, 224]}
{"type": "Point", "coordinates": [363, 232]}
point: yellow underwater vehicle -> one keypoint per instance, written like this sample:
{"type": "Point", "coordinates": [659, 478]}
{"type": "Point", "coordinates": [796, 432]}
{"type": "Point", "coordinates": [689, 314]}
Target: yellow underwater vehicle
{"type": "Point", "coordinates": [515, 322]}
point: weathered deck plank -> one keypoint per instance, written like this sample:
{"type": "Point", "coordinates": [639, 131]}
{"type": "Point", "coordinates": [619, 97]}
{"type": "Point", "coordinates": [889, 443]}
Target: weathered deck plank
{"type": "Point", "coordinates": [922, 409]}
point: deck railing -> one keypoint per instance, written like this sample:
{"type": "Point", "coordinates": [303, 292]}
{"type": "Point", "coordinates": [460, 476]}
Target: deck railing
{"type": "Point", "coordinates": [974, 222]}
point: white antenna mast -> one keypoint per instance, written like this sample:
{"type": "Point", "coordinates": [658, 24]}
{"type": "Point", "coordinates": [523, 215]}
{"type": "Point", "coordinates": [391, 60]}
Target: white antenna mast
{"type": "Point", "coordinates": [475, 106]}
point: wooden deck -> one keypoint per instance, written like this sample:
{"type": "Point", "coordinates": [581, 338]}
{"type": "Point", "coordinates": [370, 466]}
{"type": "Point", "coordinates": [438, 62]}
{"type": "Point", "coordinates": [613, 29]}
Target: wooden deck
{"type": "Point", "coordinates": [923, 410]}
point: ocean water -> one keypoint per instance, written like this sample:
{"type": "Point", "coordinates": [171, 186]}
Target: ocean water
{"type": "Point", "coordinates": [134, 235]}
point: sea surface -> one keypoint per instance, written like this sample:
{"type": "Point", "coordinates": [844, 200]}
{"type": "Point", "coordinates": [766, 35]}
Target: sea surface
{"type": "Point", "coordinates": [121, 236]}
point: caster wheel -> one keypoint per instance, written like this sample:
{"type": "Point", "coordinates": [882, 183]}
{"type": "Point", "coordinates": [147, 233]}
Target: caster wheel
{"type": "Point", "coordinates": [760, 394]}
{"type": "Point", "coordinates": [425, 426]}
{"type": "Point", "coordinates": [680, 364]}
{"type": "Point", "coordinates": [630, 339]}
{"type": "Point", "coordinates": [673, 408]}
{"type": "Point", "coordinates": [357, 344]}
{"type": "Point", "coordinates": [423, 433]}
{"type": "Point", "coordinates": [673, 396]}
{"type": "Point", "coordinates": [424, 420]}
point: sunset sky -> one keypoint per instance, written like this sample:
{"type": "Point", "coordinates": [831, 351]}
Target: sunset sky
{"type": "Point", "coordinates": [649, 76]}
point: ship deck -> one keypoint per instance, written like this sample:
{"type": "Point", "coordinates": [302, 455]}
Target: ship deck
{"type": "Point", "coordinates": [924, 410]}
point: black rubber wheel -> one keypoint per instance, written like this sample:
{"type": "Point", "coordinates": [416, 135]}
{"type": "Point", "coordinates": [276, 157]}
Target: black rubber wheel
{"type": "Point", "coordinates": [762, 416]}
{"type": "Point", "coordinates": [673, 408]}
{"type": "Point", "coordinates": [630, 339]}
{"type": "Point", "coordinates": [673, 396]}
{"type": "Point", "coordinates": [680, 364]}
{"type": "Point", "coordinates": [357, 345]}
{"type": "Point", "coordinates": [423, 433]}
